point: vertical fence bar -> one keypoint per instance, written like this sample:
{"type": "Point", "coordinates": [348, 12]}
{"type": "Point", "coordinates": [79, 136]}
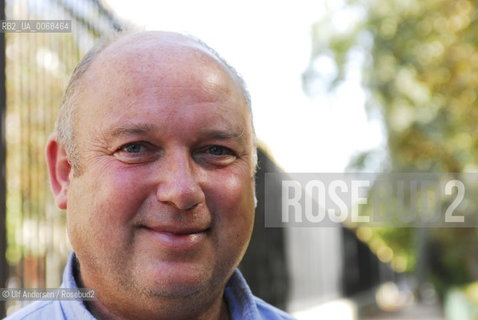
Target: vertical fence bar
{"type": "Point", "coordinates": [3, 214]}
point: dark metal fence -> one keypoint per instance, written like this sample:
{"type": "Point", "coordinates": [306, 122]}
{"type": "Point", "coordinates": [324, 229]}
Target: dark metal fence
{"type": "Point", "coordinates": [38, 66]}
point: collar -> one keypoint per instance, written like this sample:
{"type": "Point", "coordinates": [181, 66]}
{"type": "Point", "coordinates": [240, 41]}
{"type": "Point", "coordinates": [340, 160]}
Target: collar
{"type": "Point", "coordinates": [238, 296]}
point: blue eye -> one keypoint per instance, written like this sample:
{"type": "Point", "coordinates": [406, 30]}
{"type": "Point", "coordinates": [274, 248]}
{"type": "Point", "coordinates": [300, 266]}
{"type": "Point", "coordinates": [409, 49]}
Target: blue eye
{"type": "Point", "coordinates": [219, 151]}
{"type": "Point", "coordinates": [215, 156]}
{"type": "Point", "coordinates": [134, 147]}
{"type": "Point", "coordinates": [137, 152]}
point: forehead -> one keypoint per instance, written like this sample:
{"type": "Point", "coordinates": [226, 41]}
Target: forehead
{"type": "Point", "coordinates": [156, 69]}
{"type": "Point", "coordinates": [158, 60]}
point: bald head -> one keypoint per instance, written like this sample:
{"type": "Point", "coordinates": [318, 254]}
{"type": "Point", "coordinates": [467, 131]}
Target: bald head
{"type": "Point", "coordinates": [154, 162]}
{"type": "Point", "coordinates": [152, 54]}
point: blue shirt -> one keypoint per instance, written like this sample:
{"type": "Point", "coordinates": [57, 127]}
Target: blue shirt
{"type": "Point", "coordinates": [242, 304]}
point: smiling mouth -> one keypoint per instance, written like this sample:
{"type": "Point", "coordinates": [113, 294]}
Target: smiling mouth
{"type": "Point", "coordinates": [177, 239]}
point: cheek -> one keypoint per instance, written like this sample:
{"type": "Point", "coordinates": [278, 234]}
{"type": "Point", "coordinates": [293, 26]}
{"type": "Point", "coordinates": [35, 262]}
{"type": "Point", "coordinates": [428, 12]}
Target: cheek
{"type": "Point", "coordinates": [121, 194]}
{"type": "Point", "coordinates": [232, 204]}
{"type": "Point", "coordinates": [102, 204]}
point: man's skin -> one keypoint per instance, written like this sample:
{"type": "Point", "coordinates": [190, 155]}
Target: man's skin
{"type": "Point", "coordinates": [161, 207]}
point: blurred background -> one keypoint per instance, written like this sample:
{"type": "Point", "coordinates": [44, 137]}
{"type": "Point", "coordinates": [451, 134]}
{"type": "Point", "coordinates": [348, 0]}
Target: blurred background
{"type": "Point", "coordinates": [337, 86]}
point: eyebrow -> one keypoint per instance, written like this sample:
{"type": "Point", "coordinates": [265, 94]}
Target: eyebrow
{"type": "Point", "coordinates": [137, 129]}
{"type": "Point", "coordinates": [133, 129]}
{"type": "Point", "coordinates": [223, 134]}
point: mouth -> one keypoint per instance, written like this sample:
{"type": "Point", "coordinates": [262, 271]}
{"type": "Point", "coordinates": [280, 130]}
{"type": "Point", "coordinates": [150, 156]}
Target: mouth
{"type": "Point", "coordinates": [177, 238]}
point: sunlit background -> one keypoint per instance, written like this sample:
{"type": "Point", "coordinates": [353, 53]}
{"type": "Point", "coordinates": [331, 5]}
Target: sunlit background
{"type": "Point", "coordinates": [361, 86]}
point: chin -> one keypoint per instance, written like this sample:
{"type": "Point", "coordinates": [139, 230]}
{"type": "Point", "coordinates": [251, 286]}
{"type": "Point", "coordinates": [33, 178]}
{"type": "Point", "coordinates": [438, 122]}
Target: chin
{"type": "Point", "coordinates": [178, 282]}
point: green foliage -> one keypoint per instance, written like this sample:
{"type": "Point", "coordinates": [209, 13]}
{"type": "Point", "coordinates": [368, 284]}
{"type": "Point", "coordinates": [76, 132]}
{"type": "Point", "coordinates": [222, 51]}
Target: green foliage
{"type": "Point", "coordinates": [421, 72]}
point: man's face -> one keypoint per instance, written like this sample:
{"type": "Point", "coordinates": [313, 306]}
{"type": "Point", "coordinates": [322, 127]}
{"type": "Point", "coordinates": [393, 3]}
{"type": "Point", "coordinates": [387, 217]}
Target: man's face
{"type": "Point", "coordinates": [163, 203]}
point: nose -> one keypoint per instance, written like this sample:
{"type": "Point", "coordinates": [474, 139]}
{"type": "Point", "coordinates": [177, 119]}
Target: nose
{"type": "Point", "coordinates": [179, 185]}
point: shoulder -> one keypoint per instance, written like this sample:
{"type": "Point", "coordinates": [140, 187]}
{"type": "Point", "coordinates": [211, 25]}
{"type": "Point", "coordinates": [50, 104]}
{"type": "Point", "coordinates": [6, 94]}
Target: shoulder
{"type": "Point", "coordinates": [244, 305]}
{"type": "Point", "coordinates": [269, 312]}
{"type": "Point", "coordinates": [37, 310]}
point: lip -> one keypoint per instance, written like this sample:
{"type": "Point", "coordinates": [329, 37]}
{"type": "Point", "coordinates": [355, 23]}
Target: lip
{"type": "Point", "coordinates": [177, 239]}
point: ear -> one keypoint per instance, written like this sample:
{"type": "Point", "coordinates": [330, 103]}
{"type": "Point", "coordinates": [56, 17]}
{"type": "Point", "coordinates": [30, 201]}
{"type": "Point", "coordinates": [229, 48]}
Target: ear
{"type": "Point", "coordinates": [59, 170]}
